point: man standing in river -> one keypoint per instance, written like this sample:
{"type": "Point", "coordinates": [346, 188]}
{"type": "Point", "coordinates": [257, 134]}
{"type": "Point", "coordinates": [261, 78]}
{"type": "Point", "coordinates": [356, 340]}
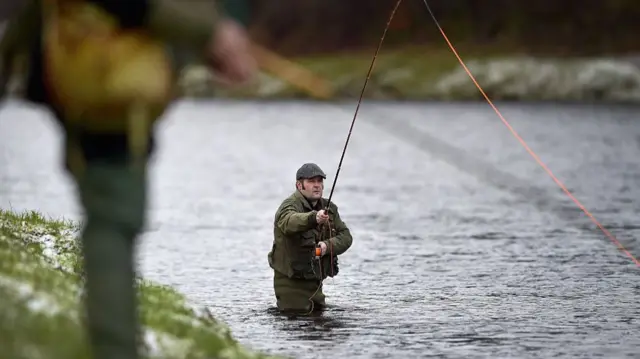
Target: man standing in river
{"type": "Point", "coordinates": [302, 225]}
{"type": "Point", "coordinates": [110, 178]}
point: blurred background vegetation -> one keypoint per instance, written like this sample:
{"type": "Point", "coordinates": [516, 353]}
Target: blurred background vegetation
{"type": "Point", "coordinates": [524, 50]}
{"type": "Point", "coordinates": [541, 27]}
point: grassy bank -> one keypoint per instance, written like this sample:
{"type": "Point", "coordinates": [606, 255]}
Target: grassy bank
{"type": "Point", "coordinates": [427, 73]}
{"type": "Point", "coordinates": [40, 287]}
{"type": "Point", "coordinates": [402, 73]}
{"type": "Point", "coordinates": [422, 73]}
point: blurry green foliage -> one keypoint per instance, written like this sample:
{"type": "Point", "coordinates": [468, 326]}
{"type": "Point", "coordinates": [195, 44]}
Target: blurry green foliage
{"type": "Point", "coordinates": [576, 27]}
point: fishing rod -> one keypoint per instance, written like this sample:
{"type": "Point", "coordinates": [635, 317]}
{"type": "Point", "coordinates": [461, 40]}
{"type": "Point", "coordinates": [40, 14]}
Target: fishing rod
{"type": "Point", "coordinates": [608, 234]}
{"type": "Point", "coordinates": [366, 80]}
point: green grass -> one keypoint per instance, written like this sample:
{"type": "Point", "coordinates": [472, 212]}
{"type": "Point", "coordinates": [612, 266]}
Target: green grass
{"type": "Point", "coordinates": [399, 73]}
{"type": "Point", "coordinates": [40, 287]}
{"type": "Point", "coordinates": [406, 72]}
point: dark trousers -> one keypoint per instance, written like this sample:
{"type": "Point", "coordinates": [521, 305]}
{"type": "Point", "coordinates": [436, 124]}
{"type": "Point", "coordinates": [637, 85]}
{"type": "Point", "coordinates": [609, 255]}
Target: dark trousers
{"type": "Point", "coordinates": [112, 190]}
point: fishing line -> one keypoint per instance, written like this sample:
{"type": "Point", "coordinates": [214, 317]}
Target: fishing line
{"type": "Point", "coordinates": [498, 113]}
{"type": "Point", "coordinates": [502, 118]}
{"type": "Point", "coordinates": [524, 144]}
{"type": "Point", "coordinates": [366, 80]}
{"type": "Point", "coordinates": [344, 150]}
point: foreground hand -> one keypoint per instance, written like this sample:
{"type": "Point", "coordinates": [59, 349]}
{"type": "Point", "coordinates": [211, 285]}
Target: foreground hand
{"type": "Point", "coordinates": [322, 217]}
{"type": "Point", "coordinates": [323, 247]}
{"type": "Point", "coordinates": [230, 54]}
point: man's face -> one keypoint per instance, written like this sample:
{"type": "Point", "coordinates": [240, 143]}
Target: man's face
{"type": "Point", "coordinates": [311, 188]}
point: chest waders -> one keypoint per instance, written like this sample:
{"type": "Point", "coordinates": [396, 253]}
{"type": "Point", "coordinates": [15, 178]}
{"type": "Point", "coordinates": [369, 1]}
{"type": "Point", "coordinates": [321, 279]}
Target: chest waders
{"type": "Point", "coordinates": [323, 266]}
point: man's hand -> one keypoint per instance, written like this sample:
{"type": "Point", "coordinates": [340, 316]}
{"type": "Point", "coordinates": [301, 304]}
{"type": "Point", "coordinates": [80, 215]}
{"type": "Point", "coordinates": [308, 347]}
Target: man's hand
{"type": "Point", "coordinates": [230, 54]}
{"type": "Point", "coordinates": [323, 248]}
{"type": "Point", "coordinates": [322, 217]}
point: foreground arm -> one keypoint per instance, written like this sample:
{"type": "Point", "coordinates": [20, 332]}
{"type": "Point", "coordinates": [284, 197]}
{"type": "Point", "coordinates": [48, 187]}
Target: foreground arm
{"type": "Point", "coordinates": [190, 23]}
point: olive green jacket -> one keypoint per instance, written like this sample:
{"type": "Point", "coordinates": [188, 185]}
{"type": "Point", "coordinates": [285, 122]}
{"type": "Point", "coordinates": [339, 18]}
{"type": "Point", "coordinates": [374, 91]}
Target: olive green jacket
{"type": "Point", "coordinates": [187, 25]}
{"type": "Point", "coordinates": [296, 234]}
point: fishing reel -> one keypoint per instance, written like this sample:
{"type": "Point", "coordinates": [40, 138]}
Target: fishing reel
{"type": "Point", "coordinates": [325, 270]}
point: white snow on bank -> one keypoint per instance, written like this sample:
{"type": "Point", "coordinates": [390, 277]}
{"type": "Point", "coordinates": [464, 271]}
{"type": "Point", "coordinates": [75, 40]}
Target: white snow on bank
{"type": "Point", "coordinates": [58, 251]}
{"type": "Point", "coordinates": [545, 79]}
{"type": "Point", "coordinates": [58, 260]}
{"type": "Point", "coordinates": [515, 77]}
{"type": "Point", "coordinates": [36, 301]}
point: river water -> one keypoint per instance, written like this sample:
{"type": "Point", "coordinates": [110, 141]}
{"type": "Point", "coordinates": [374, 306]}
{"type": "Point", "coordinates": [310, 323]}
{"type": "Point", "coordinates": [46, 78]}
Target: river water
{"type": "Point", "coordinates": [463, 246]}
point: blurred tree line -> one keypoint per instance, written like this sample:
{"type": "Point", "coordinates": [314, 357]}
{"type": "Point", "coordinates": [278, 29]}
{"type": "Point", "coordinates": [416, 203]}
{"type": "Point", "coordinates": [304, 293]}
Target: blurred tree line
{"type": "Point", "coordinates": [571, 27]}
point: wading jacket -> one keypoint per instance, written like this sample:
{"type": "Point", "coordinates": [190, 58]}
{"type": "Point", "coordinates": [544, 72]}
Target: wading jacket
{"type": "Point", "coordinates": [296, 234]}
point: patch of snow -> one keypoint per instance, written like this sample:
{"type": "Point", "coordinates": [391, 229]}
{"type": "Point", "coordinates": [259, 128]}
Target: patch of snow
{"type": "Point", "coordinates": [36, 301]}
{"type": "Point", "coordinates": [56, 249]}
{"type": "Point", "coordinates": [48, 249]}
{"type": "Point", "coordinates": [555, 79]}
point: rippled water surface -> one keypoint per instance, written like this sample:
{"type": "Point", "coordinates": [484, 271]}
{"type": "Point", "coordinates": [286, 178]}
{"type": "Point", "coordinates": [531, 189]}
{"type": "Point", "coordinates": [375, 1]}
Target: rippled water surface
{"type": "Point", "coordinates": [463, 246]}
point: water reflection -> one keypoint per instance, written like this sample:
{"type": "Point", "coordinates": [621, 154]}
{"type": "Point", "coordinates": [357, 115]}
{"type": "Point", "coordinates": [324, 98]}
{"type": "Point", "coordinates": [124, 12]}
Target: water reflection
{"type": "Point", "coordinates": [330, 324]}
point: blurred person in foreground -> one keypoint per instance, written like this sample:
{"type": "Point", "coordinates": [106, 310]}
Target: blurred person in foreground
{"type": "Point", "coordinates": [307, 242]}
{"type": "Point", "coordinates": [103, 69]}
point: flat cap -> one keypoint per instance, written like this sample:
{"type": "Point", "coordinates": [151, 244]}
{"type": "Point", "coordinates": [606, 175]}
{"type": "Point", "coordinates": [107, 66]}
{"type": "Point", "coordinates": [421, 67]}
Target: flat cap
{"type": "Point", "coordinates": [309, 170]}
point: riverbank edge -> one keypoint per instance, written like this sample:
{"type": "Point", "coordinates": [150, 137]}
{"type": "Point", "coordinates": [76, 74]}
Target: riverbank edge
{"type": "Point", "coordinates": [40, 283]}
{"type": "Point", "coordinates": [434, 75]}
